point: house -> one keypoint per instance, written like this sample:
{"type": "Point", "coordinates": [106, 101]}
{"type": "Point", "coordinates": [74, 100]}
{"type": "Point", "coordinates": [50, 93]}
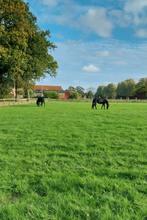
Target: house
{"type": "Point", "coordinates": [47, 88]}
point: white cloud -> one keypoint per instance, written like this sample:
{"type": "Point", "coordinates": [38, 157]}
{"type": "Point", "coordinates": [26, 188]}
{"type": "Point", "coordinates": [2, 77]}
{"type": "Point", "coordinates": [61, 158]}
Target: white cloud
{"type": "Point", "coordinates": [83, 18]}
{"type": "Point", "coordinates": [98, 20]}
{"type": "Point", "coordinates": [73, 55]}
{"type": "Point", "coordinates": [137, 9]}
{"type": "Point", "coordinates": [142, 33]}
{"type": "Point", "coordinates": [95, 19]}
{"type": "Point", "coordinates": [135, 6]}
{"type": "Point", "coordinates": [91, 68]}
{"type": "Point", "coordinates": [91, 19]}
{"type": "Point", "coordinates": [120, 18]}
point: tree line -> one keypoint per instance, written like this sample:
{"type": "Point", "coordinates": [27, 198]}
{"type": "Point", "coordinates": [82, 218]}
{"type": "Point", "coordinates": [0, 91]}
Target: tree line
{"type": "Point", "coordinates": [124, 90]}
{"type": "Point", "coordinates": [25, 49]}
{"type": "Point", "coordinates": [79, 92]}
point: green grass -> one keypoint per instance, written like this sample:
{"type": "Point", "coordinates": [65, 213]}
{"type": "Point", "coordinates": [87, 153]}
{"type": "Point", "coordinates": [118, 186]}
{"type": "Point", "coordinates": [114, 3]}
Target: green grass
{"type": "Point", "coordinates": [66, 161]}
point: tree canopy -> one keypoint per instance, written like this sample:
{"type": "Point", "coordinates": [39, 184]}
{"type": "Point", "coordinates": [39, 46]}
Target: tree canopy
{"type": "Point", "coordinates": [125, 89]}
{"type": "Point", "coordinates": [106, 91]}
{"type": "Point", "coordinates": [24, 48]}
{"type": "Point", "coordinates": [141, 88]}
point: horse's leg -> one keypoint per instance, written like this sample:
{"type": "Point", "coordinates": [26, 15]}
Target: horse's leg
{"type": "Point", "coordinates": [94, 106]}
{"type": "Point", "coordinates": [37, 103]}
{"type": "Point", "coordinates": [103, 105]}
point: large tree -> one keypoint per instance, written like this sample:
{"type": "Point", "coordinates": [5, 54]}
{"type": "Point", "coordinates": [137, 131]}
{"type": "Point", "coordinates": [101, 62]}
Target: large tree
{"type": "Point", "coordinates": [90, 93]}
{"type": "Point", "coordinates": [110, 90]}
{"type": "Point", "coordinates": [39, 61]}
{"type": "Point", "coordinates": [126, 89]}
{"type": "Point", "coordinates": [73, 94]}
{"type": "Point", "coordinates": [24, 48]}
{"type": "Point", "coordinates": [81, 91]}
{"type": "Point", "coordinates": [141, 89]}
{"type": "Point", "coordinates": [100, 91]}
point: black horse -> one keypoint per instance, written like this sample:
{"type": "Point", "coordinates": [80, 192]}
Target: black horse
{"type": "Point", "coordinates": [40, 101]}
{"type": "Point", "coordinates": [103, 101]}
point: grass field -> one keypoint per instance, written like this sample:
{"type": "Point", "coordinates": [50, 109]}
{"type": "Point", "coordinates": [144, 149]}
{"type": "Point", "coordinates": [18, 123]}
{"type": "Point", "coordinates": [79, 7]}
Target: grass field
{"type": "Point", "coordinates": [66, 161]}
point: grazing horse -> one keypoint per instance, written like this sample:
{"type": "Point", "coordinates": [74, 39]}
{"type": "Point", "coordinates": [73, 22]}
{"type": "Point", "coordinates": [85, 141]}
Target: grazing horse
{"type": "Point", "coordinates": [40, 101]}
{"type": "Point", "coordinates": [102, 101]}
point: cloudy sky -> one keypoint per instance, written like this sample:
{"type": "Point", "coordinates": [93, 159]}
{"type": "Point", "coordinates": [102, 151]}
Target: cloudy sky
{"type": "Point", "coordinates": [98, 41]}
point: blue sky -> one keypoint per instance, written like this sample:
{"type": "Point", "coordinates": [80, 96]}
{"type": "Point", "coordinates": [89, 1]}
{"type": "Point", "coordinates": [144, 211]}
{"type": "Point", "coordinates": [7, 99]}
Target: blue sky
{"type": "Point", "coordinates": [98, 41]}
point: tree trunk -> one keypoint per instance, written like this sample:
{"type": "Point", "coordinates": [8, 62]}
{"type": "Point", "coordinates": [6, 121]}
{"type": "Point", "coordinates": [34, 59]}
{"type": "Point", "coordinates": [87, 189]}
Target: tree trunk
{"type": "Point", "coordinates": [28, 98]}
{"type": "Point", "coordinates": [15, 89]}
{"type": "Point", "coordinates": [26, 93]}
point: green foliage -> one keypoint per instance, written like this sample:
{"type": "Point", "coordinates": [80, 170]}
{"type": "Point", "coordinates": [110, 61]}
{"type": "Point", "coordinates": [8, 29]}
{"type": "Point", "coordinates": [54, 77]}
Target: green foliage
{"type": "Point", "coordinates": [141, 89]}
{"type": "Point", "coordinates": [15, 30]}
{"type": "Point", "coordinates": [4, 90]}
{"type": "Point", "coordinates": [66, 161]}
{"type": "Point", "coordinates": [51, 95]}
{"type": "Point", "coordinates": [126, 89]}
{"type": "Point", "coordinates": [89, 94]}
{"type": "Point", "coordinates": [24, 48]}
{"type": "Point", "coordinates": [100, 91]}
{"type": "Point", "coordinates": [80, 91]}
{"type": "Point", "coordinates": [73, 93]}
{"type": "Point", "coordinates": [108, 91]}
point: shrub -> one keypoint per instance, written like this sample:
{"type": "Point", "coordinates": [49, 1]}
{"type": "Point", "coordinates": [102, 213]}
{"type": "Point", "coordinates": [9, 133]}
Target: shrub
{"type": "Point", "coordinates": [51, 95]}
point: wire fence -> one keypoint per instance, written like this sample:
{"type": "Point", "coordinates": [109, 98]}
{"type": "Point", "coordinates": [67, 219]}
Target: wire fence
{"type": "Point", "coordinates": [11, 102]}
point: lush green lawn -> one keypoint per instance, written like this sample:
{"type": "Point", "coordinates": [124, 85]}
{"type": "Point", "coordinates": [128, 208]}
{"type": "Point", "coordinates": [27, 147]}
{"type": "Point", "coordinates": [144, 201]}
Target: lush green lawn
{"type": "Point", "coordinates": [66, 161]}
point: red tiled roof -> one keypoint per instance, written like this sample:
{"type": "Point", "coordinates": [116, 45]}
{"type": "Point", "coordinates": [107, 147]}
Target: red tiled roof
{"type": "Point", "coordinates": [47, 88]}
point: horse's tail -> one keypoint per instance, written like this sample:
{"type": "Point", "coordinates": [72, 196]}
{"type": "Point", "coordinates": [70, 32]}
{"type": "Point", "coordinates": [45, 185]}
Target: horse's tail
{"type": "Point", "coordinates": [107, 103]}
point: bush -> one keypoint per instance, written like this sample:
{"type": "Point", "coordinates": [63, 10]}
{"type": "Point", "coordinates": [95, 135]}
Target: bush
{"type": "Point", "coordinates": [51, 95]}
{"type": "Point", "coordinates": [73, 95]}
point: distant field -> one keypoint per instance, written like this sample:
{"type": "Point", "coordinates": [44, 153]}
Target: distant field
{"type": "Point", "coordinates": [68, 162]}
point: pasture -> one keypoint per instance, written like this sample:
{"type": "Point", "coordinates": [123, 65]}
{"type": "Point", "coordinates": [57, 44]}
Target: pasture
{"type": "Point", "coordinates": [68, 162]}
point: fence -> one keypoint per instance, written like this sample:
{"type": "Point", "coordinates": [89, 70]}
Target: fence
{"type": "Point", "coordinates": [128, 100]}
{"type": "Point", "coordinates": [10, 102]}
